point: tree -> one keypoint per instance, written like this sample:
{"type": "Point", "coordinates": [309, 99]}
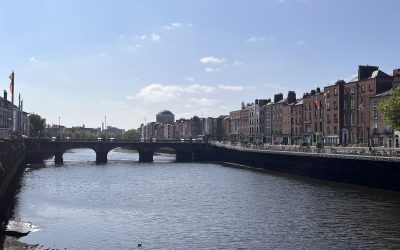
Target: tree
{"type": "Point", "coordinates": [132, 134]}
{"type": "Point", "coordinates": [37, 125]}
{"type": "Point", "coordinates": [390, 109]}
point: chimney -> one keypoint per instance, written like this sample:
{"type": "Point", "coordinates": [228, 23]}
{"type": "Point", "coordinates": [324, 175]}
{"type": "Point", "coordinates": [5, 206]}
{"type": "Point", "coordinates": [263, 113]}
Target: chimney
{"type": "Point", "coordinates": [5, 95]}
{"type": "Point", "coordinates": [278, 97]}
{"type": "Point", "coordinates": [291, 97]}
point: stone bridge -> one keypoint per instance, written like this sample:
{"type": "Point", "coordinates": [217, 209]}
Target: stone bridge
{"type": "Point", "coordinates": [185, 150]}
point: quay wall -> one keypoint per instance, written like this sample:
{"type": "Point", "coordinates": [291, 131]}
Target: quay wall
{"type": "Point", "coordinates": [12, 162]}
{"type": "Point", "coordinates": [372, 173]}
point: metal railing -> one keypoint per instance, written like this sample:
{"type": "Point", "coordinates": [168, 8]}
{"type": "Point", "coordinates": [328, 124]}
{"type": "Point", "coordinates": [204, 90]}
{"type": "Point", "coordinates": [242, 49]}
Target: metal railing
{"type": "Point", "coordinates": [361, 153]}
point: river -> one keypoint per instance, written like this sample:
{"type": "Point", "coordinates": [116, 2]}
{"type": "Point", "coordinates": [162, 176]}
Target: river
{"type": "Point", "coordinates": [168, 205]}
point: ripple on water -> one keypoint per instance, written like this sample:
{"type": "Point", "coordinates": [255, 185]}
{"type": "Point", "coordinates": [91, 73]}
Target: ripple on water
{"type": "Point", "coordinates": [169, 205]}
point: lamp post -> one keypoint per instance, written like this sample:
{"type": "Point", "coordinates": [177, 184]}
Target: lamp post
{"type": "Point", "coordinates": [59, 127]}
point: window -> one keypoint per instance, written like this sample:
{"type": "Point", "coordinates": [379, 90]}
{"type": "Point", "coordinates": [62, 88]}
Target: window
{"type": "Point", "coordinates": [381, 139]}
{"type": "Point", "coordinates": [375, 104]}
{"type": "Point", "coordinates": [335, 106]}
{"type": "Point", "coordinates": [352, 103]}
{"type": "Point", "coordinates": [353, 89]}
{"type": "Point", "coordinates": [362, 89]}
{"type": "Point", "coordinates": [344, 105]}
{"type": "Point", "coordinates": [345, 119]}
{"type": "Point", "coordinates": [351, 119]}
{"type": "Point", "coordinates": [328, 106]}
{"type": "Point", "coordinates": [370, 88]}
{"type": "Point", "coordinates": [335, 91]}
{"type": "Point", "coordinates": [375, 114]}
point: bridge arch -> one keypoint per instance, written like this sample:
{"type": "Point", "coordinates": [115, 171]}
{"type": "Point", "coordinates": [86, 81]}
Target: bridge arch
{"type": "Point", "coordinates": [184, 151]}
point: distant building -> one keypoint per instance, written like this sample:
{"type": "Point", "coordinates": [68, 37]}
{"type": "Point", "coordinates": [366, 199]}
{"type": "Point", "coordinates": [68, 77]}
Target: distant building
{"type": "Point", "coordinates": [13, 120]}
{"type": "Point", "coordinates": [165, 117]}
{"type": "Point", "coordinates": [297, 123]}
{"type": "Point", "coordinates": [234, 125]}
{"type": "Point", "coordinates": [226, 125]}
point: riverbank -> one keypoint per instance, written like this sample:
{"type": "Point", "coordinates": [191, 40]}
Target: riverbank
{"type": "Point", "coordinates": [12, 164]}
{"type": "Point", "coordinates": [374, 172]}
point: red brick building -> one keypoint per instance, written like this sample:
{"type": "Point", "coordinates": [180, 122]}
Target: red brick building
{"type": "Point", "coordinates": [297, 123]}
{"type": "Point", "coordinates": [333, 110]}
{"type": "Point", "coordinates": [356, 104]}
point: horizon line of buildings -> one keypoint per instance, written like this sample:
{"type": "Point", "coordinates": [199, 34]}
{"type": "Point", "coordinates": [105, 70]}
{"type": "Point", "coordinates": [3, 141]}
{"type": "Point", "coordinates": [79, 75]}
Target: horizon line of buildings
{"type": "Point", "coordinates": [344, 113]}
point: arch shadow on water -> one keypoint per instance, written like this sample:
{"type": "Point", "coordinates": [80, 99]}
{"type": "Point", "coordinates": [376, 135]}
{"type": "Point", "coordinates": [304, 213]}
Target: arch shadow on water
{"type": "Point", "coordinates": [126, 155]}
{"type": "Point", "coordinates": [164, 154]}
{"type": "Point", "coordinates": [123, 154]}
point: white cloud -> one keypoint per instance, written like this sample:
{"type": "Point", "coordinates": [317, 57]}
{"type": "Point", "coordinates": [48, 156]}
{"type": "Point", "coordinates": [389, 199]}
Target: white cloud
{"type": "Point", "coordinates": [129, 97]}
{"type": "Point", "coordinates": [301, 43]}
{"type": "Point", "coordinates": [237, 63]}
{"type": "Point", "coordinates": [212, 70]}
{"type": "Point", "coordinates": [189, 79]}
{"type": "Point", "coordinates": [34, 60]}
{"type": "Point", "coordinates": [203, 102]}
{"type": "Point", "coordinates": [176, 25]}
{"type": "Point", "coordinates": [255, 39]}
{"type": "Point", "coordinates": [155, 37]}
{"type": "Point", "coordinates": [212, 60]}
{"type": "Point", "coordinates": [159, 93]}
{"type": "Point", "coordinates": [164, 93]}
{"type": "Point", "coordinates": [141, 37]}
{"type": "Point", "coordinates": [101, 54]}
{"type": "Point", "coordinates": [231, 87]}
{"type": "Point", "coordinates": [197, 88]}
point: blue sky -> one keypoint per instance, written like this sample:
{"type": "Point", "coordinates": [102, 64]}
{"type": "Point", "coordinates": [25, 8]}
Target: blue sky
{"type": "Point", "coordinates": [82, 60]}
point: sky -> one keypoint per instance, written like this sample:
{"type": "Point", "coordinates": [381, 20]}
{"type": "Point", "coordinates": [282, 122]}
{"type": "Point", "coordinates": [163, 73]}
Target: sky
{"type": "Point", "coordinates": [79, 61]}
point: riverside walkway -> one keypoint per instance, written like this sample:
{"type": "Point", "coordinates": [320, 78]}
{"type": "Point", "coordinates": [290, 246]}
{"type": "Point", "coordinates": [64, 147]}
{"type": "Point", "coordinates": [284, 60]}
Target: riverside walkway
{"type": "Point", "coordinates": [360, 153]}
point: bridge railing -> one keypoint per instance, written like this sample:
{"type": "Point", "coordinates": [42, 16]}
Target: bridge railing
{"type": "Point", "coordinates": [335, 152]}
{"type": "Point", "coordinates": [80, 140]}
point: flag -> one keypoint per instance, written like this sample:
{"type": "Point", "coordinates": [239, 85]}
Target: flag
{"type": "Point", "coordinates": [12, 82]}
{"type": "Point", "coordinates": [316, 103]}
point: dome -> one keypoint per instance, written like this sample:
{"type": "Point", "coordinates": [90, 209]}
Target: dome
{"type": "Point", "coordinates": [165, 117]}
{"type": "Point", "coordinates": [165, 112]}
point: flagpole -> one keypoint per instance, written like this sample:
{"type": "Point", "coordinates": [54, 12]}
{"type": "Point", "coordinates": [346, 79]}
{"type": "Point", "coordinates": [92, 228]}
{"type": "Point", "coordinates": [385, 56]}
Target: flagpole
{"type": "Point", "coordinates": [12, 99]}
{"type": "Point", "coordinates": [12, 87]}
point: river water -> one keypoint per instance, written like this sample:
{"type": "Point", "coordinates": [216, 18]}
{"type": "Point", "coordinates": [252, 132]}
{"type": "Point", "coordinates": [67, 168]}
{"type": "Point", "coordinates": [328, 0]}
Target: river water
{"type": "Point", "coordinates": [168, 205]}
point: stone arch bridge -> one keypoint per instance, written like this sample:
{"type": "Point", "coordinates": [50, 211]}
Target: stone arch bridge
{"type": "Point", "coordinates": [185, 150]}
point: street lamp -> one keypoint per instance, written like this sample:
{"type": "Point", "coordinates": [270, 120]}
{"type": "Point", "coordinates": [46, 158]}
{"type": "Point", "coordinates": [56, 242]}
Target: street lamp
{"type": "Point", "coordinates": [361, 108]}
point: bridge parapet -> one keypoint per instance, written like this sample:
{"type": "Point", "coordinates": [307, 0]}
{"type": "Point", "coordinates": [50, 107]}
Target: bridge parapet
{"type": "Point", "coordinates": [40, 147]}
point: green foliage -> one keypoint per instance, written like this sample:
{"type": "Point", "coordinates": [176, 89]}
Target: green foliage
{"type": "Point", "coordinates": [132, 134]}
{"type": "Point", "coordinates": [390, 109]}
{"type": "Point", "coordinates": [37, 125]}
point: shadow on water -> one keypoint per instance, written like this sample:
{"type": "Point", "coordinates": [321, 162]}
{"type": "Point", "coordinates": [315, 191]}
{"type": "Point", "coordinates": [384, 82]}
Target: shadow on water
{"type": "Point", "coordinates": [7, 204]}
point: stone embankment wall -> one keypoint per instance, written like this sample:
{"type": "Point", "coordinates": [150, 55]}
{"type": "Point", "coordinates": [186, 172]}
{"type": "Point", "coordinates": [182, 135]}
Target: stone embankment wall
{"type": "Point", "coordinates": [373, 173]}
{"type": "Point", "coordinates": [12, 158]}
